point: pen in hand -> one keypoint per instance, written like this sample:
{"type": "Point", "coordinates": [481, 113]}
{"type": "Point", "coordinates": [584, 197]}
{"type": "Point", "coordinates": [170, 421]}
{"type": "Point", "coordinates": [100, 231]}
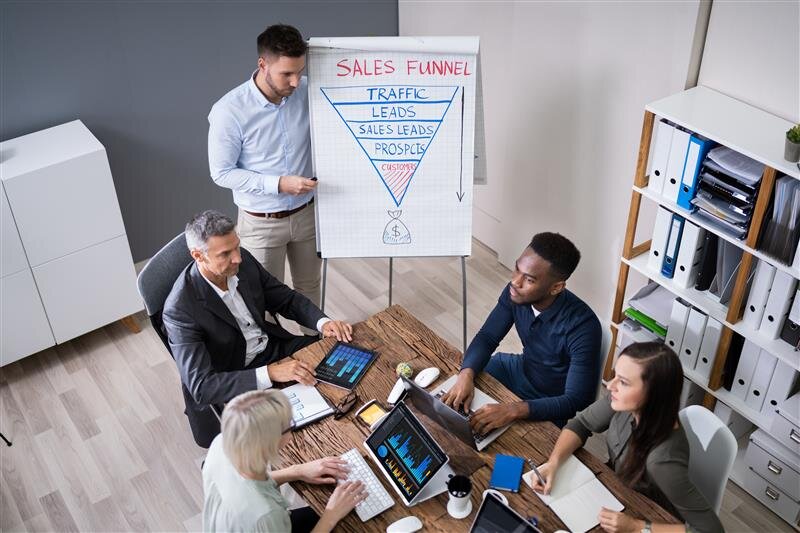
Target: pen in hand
{"type": "Point", "coordinates": [538, 474]}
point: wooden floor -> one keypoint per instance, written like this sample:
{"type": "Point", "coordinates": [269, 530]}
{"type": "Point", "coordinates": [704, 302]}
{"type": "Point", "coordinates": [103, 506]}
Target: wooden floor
{"type": "Point", "coordinates": [100, 442]}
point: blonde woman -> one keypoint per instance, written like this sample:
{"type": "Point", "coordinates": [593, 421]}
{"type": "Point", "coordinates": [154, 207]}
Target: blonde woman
{"type": "Point", "coordinates": [241, 491]}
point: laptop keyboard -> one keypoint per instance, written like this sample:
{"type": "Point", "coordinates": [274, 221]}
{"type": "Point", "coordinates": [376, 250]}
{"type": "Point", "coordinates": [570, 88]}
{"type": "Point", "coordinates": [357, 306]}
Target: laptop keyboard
{"type": "Point", "coordinates": [378, 500]}
{"type": "Point", "coordinates": [479, 437]}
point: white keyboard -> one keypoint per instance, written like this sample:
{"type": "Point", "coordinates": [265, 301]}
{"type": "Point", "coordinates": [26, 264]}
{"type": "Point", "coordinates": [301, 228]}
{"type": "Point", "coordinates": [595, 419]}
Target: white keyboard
{"type": "Point", "coordinates": [378, 500]}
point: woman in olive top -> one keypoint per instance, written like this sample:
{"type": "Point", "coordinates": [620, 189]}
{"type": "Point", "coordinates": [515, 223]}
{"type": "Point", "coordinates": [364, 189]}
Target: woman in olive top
{"type": "Point", "coordinates": [241, 490]}
{"type": "Point", "coordinates": [647, 446]}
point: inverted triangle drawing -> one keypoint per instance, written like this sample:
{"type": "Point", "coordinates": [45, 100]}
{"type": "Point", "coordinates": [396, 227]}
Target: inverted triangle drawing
{"type": "Point", "coordinates": [394, 125]}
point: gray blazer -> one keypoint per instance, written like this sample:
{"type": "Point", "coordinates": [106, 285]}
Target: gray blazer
{"type": "Point", "coordinates": [207, 343]}
{"type": "Point", "coordinates": [666, 478]}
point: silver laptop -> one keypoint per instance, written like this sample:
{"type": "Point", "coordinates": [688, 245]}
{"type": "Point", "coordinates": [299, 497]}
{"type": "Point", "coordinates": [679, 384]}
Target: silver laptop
{"type": "Point", "coordinates": [454, 421]}
{"type": "Point", "coordinates": [407, 455]}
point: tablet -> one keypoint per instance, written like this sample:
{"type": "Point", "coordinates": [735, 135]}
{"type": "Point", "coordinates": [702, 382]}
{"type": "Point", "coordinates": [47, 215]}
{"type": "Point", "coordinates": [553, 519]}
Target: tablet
{"type": "Point", "coordinates": [494, 516]}
{"type": "Point", "coordinates": [345, 365]}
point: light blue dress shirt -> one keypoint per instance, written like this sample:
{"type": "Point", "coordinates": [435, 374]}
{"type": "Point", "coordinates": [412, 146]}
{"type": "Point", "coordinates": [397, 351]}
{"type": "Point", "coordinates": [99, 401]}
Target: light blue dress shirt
{"type": "Point", "coordinates": [253, 142]}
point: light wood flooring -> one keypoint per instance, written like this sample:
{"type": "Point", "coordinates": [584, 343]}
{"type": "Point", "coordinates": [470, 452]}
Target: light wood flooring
{"type": "Point", "coordinates": [100, 442]}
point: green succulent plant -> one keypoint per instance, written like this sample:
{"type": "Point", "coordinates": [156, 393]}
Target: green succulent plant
{"type": "Point", "coordinates": [793, 134]}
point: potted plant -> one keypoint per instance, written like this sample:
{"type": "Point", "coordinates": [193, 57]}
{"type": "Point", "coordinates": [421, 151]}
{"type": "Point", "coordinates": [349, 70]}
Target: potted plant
{"type": "Point", "coordinates": [792, 150]}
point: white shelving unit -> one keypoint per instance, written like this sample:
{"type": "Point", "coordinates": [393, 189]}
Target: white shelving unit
{"type": "Point", "coordinates": [760, 136]}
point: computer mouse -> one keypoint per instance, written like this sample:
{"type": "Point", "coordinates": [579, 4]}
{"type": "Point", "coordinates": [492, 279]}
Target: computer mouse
{"type": "Point", "coordinates": [427, 376]}
{"type": "Point", "coordinates": [409, 524]}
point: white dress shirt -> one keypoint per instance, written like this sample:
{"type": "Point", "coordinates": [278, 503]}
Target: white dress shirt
{"type": "Point", "coordinates": [254, 336]}
{"type": "Point", "coordinates": [253, 142]}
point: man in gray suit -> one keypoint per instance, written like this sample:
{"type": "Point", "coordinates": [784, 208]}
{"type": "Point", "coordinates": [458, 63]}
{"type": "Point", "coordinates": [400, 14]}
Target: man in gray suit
{"type": "Point", "coordinates": [214, 320]}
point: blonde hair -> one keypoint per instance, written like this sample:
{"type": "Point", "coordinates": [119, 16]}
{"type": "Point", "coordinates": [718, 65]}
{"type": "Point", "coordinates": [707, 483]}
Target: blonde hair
{"type": "Point", "coordinates": [252, 425]}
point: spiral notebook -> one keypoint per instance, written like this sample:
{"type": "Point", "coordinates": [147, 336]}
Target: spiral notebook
{"type": "Point", "coordinates": [307, 404]}
{"type": "Point", "coordinates": [577, 496]}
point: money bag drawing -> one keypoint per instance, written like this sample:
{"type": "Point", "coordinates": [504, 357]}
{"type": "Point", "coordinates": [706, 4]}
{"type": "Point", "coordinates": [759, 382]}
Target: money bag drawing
{"type": "Point", "coordinates": [393, 125]}
{"type": "Point", "coordinates": [395, 231]}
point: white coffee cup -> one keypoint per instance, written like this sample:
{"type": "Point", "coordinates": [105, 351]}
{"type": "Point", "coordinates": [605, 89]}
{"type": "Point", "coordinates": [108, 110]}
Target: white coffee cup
{"type": "Point", "coordinates": [459, 489]}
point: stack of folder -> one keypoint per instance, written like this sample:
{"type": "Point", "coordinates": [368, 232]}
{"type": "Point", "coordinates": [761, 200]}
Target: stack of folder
{"type": "Point", "coordinates": [677, 158]}
{"type": "Point", "coordinates": [650, 308]}
{"type": "Point", "coordinates": [770, 301]}
{"type": "Point", "coordinates": [783, 228]}
{"type": "Point", "coordinates": [694, 336]}
{"type": "Point", "coordinates": [726, 190]}
{"type": "Point", "coordinates": [691, 256]}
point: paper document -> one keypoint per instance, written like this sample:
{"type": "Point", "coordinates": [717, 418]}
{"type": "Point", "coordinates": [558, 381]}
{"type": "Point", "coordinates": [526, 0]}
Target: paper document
{"type": "Point", "coordinates": [577, 496]}
{"type": "Point", "coordinates": [748, 170]}
{"type": "Point", "coordinates": [307, 404]}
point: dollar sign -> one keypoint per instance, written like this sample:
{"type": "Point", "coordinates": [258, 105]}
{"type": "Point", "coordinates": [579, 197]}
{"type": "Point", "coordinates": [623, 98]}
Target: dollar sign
{"type": "Point", "coordinates": [395, 231]}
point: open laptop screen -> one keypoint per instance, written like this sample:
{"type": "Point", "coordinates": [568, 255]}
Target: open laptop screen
{"type": "Point", "coordinates": [406, 451]}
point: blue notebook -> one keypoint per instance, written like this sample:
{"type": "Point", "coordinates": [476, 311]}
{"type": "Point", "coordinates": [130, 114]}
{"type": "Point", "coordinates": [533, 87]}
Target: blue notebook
{"type": "Point", "coordinates": [507, 472]}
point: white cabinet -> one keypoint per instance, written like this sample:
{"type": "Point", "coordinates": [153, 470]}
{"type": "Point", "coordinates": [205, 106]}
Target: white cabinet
{"type": "Point", "coordinates": [12, 255]}
{"type": "Point", "coordinates": [23, 321]}
{"type": "Point", "coordinates": [107, 280]}
{"type": "Point", "coordinates": [66, 265]}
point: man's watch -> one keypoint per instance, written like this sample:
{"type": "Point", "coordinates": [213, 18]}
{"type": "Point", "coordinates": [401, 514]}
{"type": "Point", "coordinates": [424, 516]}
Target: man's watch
{"type": "Point", "coordinates": [647, 527]}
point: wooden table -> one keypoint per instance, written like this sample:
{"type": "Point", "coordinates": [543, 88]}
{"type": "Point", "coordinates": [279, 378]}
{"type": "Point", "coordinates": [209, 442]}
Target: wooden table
{"type": "Point", "coordinates": [397, 336]}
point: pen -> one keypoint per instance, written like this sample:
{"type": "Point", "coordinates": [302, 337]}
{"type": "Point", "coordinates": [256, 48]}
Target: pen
{"type": "Point", "coordinates": [536, 471]}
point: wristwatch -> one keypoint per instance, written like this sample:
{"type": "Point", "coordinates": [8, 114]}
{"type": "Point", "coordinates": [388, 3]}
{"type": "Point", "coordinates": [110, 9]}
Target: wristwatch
{"type": "Point", "coordinates": [647, 525]}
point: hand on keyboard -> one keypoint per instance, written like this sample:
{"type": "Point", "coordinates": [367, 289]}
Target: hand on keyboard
{"type": "Point", "coordinates": [378, 500]}
{"type": "Point", "coordinates": [325, 470]}
{"type": "Point", "coordinates": [346, 496]}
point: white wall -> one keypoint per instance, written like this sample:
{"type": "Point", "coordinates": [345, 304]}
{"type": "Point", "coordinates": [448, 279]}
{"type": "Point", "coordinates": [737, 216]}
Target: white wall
{"type": "Point", "coordinates": [565, 86]}
{"type": "Point", "coordinates": [752, 53]}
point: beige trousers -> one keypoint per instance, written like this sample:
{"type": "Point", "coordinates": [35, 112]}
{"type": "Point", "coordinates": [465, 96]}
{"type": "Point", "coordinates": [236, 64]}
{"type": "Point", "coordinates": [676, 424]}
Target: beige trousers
{"type": "Point", "coordinates": [271, 240]}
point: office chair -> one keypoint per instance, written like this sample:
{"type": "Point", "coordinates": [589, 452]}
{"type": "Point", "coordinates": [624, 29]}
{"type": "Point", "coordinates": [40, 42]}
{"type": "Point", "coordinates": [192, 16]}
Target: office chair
{"type": "Point", "coordinates": [155, 282]}
{"type": "Point", "coordinates": [712, 450]}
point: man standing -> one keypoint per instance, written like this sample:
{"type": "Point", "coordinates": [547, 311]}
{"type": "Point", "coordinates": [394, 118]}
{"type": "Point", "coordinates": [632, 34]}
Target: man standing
{"type": "Point", "coordinates": [559, 368]}
{"type": "Point", "coordinates": [259, 146]}
{"type": "Point", "coordinates": [214, 320]}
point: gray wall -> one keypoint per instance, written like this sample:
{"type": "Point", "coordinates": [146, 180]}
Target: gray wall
{"type": "Point", "coordinates": [142, 76]}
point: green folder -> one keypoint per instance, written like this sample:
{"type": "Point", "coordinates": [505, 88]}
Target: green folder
{"type": "Point", "coordinates": [646, 321]}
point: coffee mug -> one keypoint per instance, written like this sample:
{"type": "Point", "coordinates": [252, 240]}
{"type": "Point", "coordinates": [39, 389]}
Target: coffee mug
{"type": "Point", "coordinates": [459, 488]}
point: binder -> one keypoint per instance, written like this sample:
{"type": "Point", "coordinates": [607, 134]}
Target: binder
{"type": "Point", "coordinates": [692, 337]}
{"type": "Point", "coordinates": [745, 369]}
{"type": "Point", "coordinates": [677, 324]}
{"type": "Point", "coordinates": [690, 252]}
{"type": "Point", "coordinates": [783, 384]}
{"type": "Point", "coordinates": [659, 241]}
{"type": "Point", "coordinates": [708, 262]}
{"type": "Point", "coordinates": [662, 140]}
{"type": "Point", "coordinates": [778, 303]}
{"type": "Point", "coordinates": [673, 243]}
{"type": "Point", "coordinates": [791, 326]}
{"type": "Point", "coordinates": [675, 164]}
{"type": "Point", "coordinates": [761, 379]}
{"type": "Point", "coordinates": [699, 147]}
{"type": "Point", "coordinates": [759, 292]}
{"type": "Point", "coordinates": [708, 349]}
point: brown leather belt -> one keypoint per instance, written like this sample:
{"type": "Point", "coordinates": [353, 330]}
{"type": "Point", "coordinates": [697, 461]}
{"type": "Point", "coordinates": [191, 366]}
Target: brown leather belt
{"type": "Point", "coordinates": [281, 214]}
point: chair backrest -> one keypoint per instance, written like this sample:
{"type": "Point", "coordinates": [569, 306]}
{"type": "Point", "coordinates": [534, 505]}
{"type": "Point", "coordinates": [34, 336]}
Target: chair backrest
{"type": "Point", "coordinates": [712, 450]}
{"type": "Point", "coordinates": [157, 278]}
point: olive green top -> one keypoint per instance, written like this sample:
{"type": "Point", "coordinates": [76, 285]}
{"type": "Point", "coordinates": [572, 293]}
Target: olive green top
{"type": "Point", "coordinates": [666, 477]}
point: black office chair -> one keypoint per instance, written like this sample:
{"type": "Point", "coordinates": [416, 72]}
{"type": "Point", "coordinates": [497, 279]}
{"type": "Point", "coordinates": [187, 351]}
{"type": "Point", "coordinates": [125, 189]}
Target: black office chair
{"type": "Point", "coordinates": [155, 283]}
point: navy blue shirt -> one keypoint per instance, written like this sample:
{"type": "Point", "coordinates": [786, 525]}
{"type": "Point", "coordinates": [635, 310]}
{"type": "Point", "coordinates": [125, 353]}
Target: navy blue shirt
{"type": "Point", "coordinates": [560, 351]}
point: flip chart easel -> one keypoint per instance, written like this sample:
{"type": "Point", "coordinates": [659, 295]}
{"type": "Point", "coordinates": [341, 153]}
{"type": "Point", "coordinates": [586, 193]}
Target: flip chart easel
{"type": "Point", "coordinates": [395, 150]}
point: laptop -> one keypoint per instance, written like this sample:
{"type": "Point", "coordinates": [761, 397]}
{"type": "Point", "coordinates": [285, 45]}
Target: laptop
{"type": "Point", "coordinates": [454, 421]}
{"type": "Point", "coordinates": [408, 456]}
{"type": "Point", "coordinates": [493, 516]}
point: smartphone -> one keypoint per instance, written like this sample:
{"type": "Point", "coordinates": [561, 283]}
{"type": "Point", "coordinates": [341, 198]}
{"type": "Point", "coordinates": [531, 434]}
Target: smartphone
{"type": "Point", "coordinates": [371, 413]}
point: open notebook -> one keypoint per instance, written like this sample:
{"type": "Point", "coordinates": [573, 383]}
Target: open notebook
{"type": "Point", "coordinates": [577, 496]}
{"type": "Point", "coordinates": [307, 403]}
